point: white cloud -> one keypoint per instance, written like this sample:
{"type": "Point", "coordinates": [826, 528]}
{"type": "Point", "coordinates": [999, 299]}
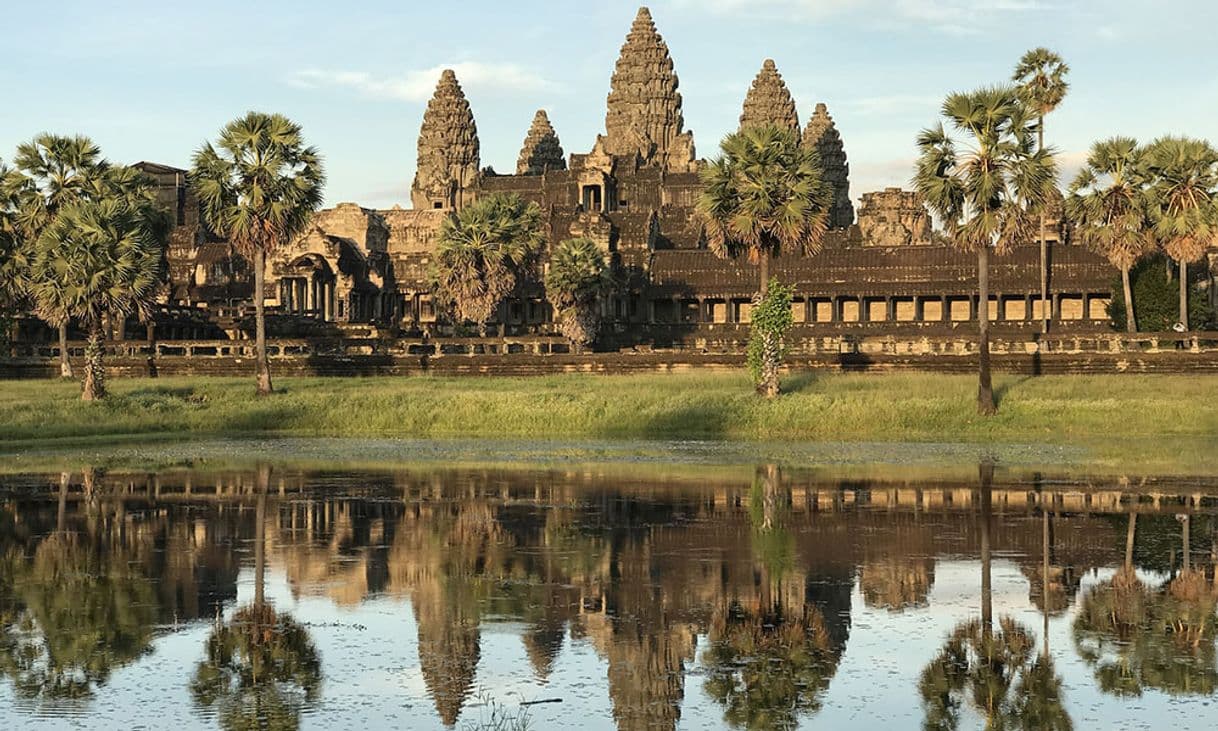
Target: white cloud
{"type": "Point", "coordinates": [804, 9]}
{"type": "Point", "coordinates": [890, 104]}
{"type": "Point", "coordinates": [1069, 162]}
{"type": "Point", "coordinates": [947, 16]}
{"type": "Point", "coordinates": [418, 85]}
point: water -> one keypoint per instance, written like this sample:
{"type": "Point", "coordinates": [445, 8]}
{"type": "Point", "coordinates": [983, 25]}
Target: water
{"type": "Point", "coordinates": [627, 597]}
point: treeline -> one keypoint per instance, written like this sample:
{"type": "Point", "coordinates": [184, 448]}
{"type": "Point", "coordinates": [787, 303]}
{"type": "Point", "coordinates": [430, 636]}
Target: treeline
{"type": "Point", "coordinates": [84, 240]}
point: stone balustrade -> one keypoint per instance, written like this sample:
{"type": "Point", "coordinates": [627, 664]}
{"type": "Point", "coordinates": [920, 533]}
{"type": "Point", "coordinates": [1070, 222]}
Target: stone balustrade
{"type": "Point", "coordinates": [1082, 352]}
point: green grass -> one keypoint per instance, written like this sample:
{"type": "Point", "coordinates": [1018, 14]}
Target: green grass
{"type": "Point", "coordinates": [907, 407]}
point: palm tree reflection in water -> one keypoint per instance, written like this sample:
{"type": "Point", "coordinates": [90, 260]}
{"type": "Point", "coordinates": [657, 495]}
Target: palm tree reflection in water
{"type": "Point", "coordinates": [1138, 637]}
{"type": "Point", "coordinates": [260, 669]}
{"type": "Point", "coordinates": [770, 658]}
{"type": "Point", "coordinates": [75, 608]}
{"type": "Point", "coordinates": [993, 671]}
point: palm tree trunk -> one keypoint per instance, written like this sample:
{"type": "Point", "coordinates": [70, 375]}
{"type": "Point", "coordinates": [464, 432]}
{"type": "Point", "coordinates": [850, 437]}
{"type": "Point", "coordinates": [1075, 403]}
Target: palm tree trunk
{"type": "Point", "coordinates": [95, 373]}
{"type": "Point", "coordinates": [769, 376]}
{"type": "Point", "coordinates": [764, 266]}
{"type": "Point", "coordinates": [260, 536]}
{"type": "Point", "coordinates": [987, 597]}
{"type": "Point", "coordinates": [261, 365]}
{"type": "Point", "coordinates": [1184, 293]}
{"type": "Point", "coordinates": [1130, 532]}
{"type": "Point", "coordinates": [1044, 246]}
{"type": "Point", "coordinates": [1044, 577]}
{"type": "Point", "coordinates": [769, 496]}
{"type": "Point", "coordinates": [65, 365]}
{"type": "Point", "coordinates": [61, 515]}
{"type": "Point", "coordinates": [985, 387]}
{"type": "Point", "coordinates": [769, 386]}
{"type": "Point", "coordinates": [1186, 544]}
{"type": "Point", "coordinates": [1131, 323]}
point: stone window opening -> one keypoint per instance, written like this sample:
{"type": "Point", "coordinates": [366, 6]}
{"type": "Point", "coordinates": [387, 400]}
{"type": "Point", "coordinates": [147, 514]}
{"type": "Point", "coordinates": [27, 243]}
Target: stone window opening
{"type": "Point", "coordinates": [592, 198]}
{"type": "Point", "coordinates": [437, 205]}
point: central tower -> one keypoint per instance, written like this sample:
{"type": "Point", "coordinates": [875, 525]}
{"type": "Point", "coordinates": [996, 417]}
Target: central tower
{"type": "Point", "coordinates": [643, 119]}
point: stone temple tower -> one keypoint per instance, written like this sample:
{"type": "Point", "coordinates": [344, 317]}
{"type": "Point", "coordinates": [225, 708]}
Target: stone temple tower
{"type": "Point", "coordinates": [448, 161]}
{"type": "Point", "coordinates": [644, 106]}
{"type": "Point", "coordinates": [822, 134]}
{"type": "Point", "coordinates": [769, 102]}
{"type": "Point", "coordinates": [541, 150]}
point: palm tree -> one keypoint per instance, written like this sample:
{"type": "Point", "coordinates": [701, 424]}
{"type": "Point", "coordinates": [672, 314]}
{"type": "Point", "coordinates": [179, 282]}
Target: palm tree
{"type": "Point", "coordinates": [1184, 193]}
{"type": "Point", "coordinates": [765, 194]}
{"type": "Point", "coordinates": [481, 251]}
{"type": "Point", "coordinates": [258, 186]}
{"type": "Point", "coordinates": [100, 258]}
{"type": "Point", "coordinates": [984, 189]}
{"type": "Point", "coordinates": [51, 171]}
{"type": "Point", "coordinates": [1109, 207]}
{"type": "Point", "coordinates": [576, 279]}
{"type": "Point", "coordinates": [1041, 76]}
{"type": "Point", "coordinates": [13, 255]}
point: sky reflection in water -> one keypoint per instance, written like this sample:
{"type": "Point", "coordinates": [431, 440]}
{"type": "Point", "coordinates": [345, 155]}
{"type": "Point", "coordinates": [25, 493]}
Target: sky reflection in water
{"type": "Point", "coordinates": [283, 599]}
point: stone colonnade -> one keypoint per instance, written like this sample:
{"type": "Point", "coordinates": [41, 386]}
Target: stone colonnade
{"type": "Point", "coordinates": [883, 308]}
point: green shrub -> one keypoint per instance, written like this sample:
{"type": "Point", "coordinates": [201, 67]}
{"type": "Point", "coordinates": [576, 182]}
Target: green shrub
{"type": "Point", "coordinates": [1156, 299]}
{"type": "Point", "coordinates": [770, 320]}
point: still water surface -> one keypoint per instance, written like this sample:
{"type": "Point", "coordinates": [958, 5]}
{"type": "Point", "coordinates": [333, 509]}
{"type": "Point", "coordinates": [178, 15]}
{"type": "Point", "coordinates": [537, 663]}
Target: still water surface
{"type": "Point", "coordinates": [767, 598]}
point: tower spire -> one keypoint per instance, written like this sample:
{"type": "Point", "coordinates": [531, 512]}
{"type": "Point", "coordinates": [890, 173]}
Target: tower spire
{"type": "Point", "coordinates": [643, 116]}
{"type": "Point", "coordinates": [769, 102]}
{"type": "Point", "coordinates": [541, 150]}
{"type": "Point", "coordinates": [448, 153]}
{"type": "Point", "coordinates": [822, 135]}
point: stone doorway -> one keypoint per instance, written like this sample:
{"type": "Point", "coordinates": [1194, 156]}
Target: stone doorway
{"type": "Point", "coordinates": [308, 288]}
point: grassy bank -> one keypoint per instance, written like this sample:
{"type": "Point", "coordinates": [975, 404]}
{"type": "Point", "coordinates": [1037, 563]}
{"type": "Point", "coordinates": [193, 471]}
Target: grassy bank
{"type": "Point", "coordinates": [898, 407]}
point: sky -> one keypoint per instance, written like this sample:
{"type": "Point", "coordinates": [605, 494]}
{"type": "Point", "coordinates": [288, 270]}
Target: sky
{"type": "Point", "coordinates": [154, 80]}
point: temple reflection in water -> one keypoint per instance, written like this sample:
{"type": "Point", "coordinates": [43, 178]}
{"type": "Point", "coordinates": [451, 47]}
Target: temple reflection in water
{"type": "Point", "coordinates": [721, 598]}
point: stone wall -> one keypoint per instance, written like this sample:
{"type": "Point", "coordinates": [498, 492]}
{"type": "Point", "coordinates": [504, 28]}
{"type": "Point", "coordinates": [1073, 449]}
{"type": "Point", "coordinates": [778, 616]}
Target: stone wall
{"type": "Point", "coordinates": [1030, 354]}
{"type": "Point", "coordinates": [894, 217]}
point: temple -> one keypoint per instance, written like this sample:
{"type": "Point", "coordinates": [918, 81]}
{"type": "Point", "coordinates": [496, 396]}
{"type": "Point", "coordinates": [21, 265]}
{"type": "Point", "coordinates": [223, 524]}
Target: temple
{"type": "Point", "coordinates": [633, 192]}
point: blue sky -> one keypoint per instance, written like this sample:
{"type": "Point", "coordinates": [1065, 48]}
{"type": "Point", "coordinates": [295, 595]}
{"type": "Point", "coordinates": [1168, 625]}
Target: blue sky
{"type": "Point", "coordinates": [152, 80]}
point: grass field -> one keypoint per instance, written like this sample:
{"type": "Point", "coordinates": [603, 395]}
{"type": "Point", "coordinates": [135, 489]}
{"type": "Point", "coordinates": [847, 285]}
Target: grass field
{"type": "Point", "coordinates": [907, 407]}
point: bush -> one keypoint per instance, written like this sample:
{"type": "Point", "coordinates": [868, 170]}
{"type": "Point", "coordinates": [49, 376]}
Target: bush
{"type": "Point", "coordinates": [1156, 300]}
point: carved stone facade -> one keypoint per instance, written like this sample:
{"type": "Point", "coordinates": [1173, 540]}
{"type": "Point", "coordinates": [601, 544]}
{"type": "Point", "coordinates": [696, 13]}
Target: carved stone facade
{"type": "Point", "coordinates": [822, 134]}
{"type": "Point", "coordinates": [644, 118]}
{"type": "Point", "coordinates": [894, 217]}
{"type": "Point", "coordinates": [337, 271]}
{"type": "Point", "coordinates": [448, 153]}
{"type": "Point", "coordinates": [541, 151]}
{"type": "Point", "coordinates": [768, 102]}
{"type": "Point", "coordinates": [635, 194]}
